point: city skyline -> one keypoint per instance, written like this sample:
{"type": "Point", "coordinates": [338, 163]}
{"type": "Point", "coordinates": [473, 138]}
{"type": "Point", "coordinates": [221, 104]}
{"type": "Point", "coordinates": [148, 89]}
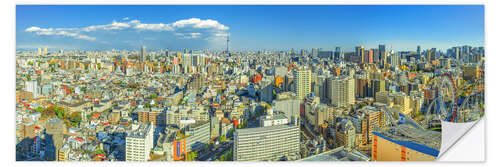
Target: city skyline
{"type": "Point", "coordinates": [249, 27]}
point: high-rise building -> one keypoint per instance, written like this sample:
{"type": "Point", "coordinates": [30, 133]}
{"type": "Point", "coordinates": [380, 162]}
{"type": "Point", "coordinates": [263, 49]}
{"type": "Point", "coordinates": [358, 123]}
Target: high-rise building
{"type": "Point", "coordinates": [198, 135]}
{"type": "Point", "coordinates": [302, 78]}
{"type": "Point", "coordinates": [338, 55]}
{"type": "Point", "coordinates": [32, 86]}
{"type": "Point", "coordinates": [139, 142]}
{"type": "Point", "coordinates": [382, 54]}
{"type": "Point", "coordinates": [143, 53]}
{"type": "Point", "coordinates": [377, 85]}
{"type": "Point", "coordinates": [266, 143]}
{"type": "Point", "coordinates": [345, 134]}
{"type": "Point", "coordinates": [419, 51]}
{"type": "Point", "coordinates": [325, 54]}
{"type": "Point", "coordinates": [372, 120]}
{"type": "Point", "coordinates": [341, 91]}
{"type": "Point", "coordinates": [395, 59]}
{"type": "Point", "coordinates": [370, 57]}
{"type": "Point", "coordinates": [39, 52]}
{"type": "Point", "coordinates": [45, 51]}
{"type": "Point", "coordinates": [359, 53]}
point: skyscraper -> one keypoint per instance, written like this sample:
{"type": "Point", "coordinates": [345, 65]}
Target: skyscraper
{"type": "Point", "coordinates": [382, 54]}
{"type": "Point", "coordinates": [32, 86]}
{"type": "Point", "coordinates": [338, 55]}
{"type": "Point", "coordinates": [419, 50]}
{"type": "Point", "coordinates": [359, 52]}
{"type": "Point", "coordinates": [39, 51]}
{"type": "Point", "coordinates": [143, 53]}
{"type": "Point", "coordinates": [45, 51]}
{"type": "Point", "coordinates": [314, 52]}
{"type": "Point", "coordinates": [302, 77]}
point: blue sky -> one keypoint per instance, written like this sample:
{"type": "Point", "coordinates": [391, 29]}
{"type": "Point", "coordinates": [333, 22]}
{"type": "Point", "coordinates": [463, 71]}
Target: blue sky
{"type": "Point", "coordinates": [250, 27]}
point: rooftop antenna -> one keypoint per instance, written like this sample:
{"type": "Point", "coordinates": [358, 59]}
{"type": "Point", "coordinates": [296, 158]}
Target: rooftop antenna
{"type": "Point", "coordinates": [227, 44]}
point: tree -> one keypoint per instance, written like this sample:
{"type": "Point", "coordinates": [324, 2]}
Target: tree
{"type": "Point", "coordinates": [75, 118]}
{"type": "Point", "coordinates": [222, 138]}
{"type": "Point", "coordinates": [191, 156]}
{"type": "Point", "coordinates": [39, 109]}
{"type": "Point", "coordinates": [153, 96]}
{"type": "Point", "coordinates": [83, 89]}
{"type": "Point", "coordinates": [231, 131]}
{"type": "Point", "coordinates": [245, 123]}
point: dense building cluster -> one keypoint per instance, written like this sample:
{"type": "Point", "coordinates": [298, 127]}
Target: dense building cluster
{"type": "Point", "coordinates": [314, 104]}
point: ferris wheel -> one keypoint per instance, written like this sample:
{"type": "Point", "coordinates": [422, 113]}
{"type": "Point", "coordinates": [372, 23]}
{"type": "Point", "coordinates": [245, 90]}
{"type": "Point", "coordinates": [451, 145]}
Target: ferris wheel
{"type": "Point", "coordinates": [444, 106]}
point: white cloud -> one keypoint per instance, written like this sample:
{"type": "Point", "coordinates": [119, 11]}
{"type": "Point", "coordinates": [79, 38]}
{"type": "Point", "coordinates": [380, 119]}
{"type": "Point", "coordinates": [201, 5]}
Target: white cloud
{"type": "Point", "coordinates": [32, 29]}
{"type": "Point", "coordinates": [154, 27]}
{"type": "Point", "coordinates": [198, 23]}
{"type": "Point", "coordinates": [192, 35]}
{"type": "Point", "coordinates": [58, 32]}
{"type": "Point", "coordinates": [184, 29]}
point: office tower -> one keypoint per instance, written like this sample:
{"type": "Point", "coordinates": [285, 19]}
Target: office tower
{"type": "Point", "coordinates": [338, 55]}
{"type": "Point", "coordinates": [302, 53]}
{"type": "Point", "coordinates": [302, 78]}
{"type": "Point", "coordinates": [419, 51]}
{"type": "Point", "coordinates": [39, 51]}
{"type": "Point", "coordinates": [187, 62]}
{"type": "Point", "coordinates": [45, 51]}
{"type": "Point", "coordinates": [341, 91]}
{"type": "Point", "coordinates": [376, 56]}
{"type": "Point", "coordinates": [325, 54]}
{"type": "Point", "coordinates": [143, 53]}
{"type": "Point", "coordinates": [139, 142]}
{"type": "Point", "coordinates": [396, 59]}
{"type": "Point", "coordinates": [431, 55]}
{"type": "Point", "coordinates": [456, 52]}
{"type": "Point", "coordinates": [314, 52]}
{"type": "Point", "coordinates": [266, 143]}
{"type": "Point", "coordinates": [32, 86]}
{"type": "Point", "coordinates": [359, 53]}
{"type": "Point", "coordinates": [377, 86]}
{"type": "Point", "coordinates": [362, 84]}
{"type": "Point", "coordinates": [370, 57]}
{"type": "Point", "coordinates": [382, 53]}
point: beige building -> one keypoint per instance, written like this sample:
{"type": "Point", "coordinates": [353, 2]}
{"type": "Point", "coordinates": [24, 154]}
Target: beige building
{"type": "Point", "coordinates": [341, 91]}
{"type": "Point", "coordinates": [302, 77]}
